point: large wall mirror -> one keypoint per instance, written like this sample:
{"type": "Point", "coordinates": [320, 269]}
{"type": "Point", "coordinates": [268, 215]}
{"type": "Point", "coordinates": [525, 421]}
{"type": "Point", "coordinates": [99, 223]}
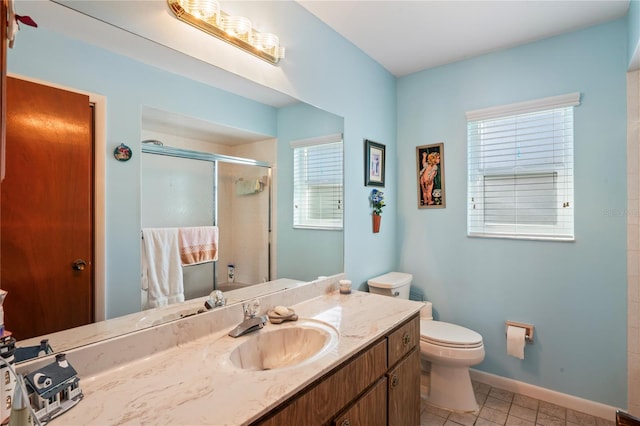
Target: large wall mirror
{"type": "Point", "coordinates": [142, 101]}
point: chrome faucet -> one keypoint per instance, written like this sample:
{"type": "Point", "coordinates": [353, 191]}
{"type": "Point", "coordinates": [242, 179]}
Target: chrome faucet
{"type": "Point", "coordinates": [216, 298]}
{"type": "Point", "coordinates": [251, 321]}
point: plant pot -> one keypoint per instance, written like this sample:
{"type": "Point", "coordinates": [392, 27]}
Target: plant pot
{"type": "Point", "coordinates": [376, 223]}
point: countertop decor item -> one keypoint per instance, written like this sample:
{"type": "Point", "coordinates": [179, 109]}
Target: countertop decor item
{"type": "Point", "coordinates": [377, 202]}
{"type": "Point", "coordinates": [281, 314]}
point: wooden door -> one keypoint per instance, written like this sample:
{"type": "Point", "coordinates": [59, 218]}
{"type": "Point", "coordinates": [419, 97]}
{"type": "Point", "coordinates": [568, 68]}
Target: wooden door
{"type": "Point", "coordinates": [47, 210]}
{"type": "Point", "coordinates": [3, 79]}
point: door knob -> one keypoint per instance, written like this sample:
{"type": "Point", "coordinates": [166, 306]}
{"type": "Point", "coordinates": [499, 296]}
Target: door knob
{"type": "Point", "coordinates": [79, 265]}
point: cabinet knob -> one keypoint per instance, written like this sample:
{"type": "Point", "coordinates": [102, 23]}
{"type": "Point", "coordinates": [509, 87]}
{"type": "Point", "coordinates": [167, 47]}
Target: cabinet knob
{"type": "Point", "coordinates": [406, 339]}
{"type": "Point", "coordinates": [346, 422]}
{"type": "Point", "coordinates": [395, 381]}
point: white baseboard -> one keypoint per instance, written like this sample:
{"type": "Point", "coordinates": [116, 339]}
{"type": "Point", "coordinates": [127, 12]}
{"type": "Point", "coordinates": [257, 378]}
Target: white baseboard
{"type": "Point", "coordinates": [575, 403]}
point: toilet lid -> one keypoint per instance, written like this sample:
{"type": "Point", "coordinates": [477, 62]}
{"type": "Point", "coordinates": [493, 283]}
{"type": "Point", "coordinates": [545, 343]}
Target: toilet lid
{"type": "Point", "coordinates": [449, 335]}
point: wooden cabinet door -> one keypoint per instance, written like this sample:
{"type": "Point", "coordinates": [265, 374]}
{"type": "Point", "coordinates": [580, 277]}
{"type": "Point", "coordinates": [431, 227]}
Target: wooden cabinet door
{"type": "Point", "coordinates": [404, 391]}
{"type": "Point", "coordinates": [369, 410]}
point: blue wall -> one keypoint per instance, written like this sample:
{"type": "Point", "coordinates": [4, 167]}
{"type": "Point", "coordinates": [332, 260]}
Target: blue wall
{"type": "Point", "coordinates": [574, 293]}
{"type": "Point", "coordinates": [303, 253]}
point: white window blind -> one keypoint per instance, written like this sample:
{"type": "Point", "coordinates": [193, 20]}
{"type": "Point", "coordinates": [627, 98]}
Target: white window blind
{"type": "Point", "coordinates": [317, 183]}
{"type": "Point", "coordinates": [520, 170]}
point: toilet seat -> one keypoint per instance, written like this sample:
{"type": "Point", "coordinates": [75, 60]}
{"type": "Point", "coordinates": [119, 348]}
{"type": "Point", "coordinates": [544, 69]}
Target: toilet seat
{"type": "Point", "coordinates": [449, 335]}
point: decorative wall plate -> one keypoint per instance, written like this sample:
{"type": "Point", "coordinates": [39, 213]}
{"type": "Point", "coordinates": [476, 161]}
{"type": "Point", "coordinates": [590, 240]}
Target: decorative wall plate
{"type": "Point", "coordinates": [122, 152]}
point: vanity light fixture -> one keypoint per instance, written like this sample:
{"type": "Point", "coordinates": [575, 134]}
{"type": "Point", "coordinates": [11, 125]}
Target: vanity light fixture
{"type": "Point", "coordinates": [237, 30]}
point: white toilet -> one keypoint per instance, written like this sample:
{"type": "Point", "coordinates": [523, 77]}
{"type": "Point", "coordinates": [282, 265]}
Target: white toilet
{"type": "Point", "coordinates": [451, 349]}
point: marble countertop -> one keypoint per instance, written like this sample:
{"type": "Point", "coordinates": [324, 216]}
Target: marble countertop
{"type": "Point", "coordinates": [195, 383]}
{"type": "Point", "coordinates": [103, 330]}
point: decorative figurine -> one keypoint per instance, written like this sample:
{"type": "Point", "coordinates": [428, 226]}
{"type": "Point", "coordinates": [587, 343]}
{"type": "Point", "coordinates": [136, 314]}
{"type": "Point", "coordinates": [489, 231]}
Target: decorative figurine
{"type": "Point", "coordinates": [53, 389]}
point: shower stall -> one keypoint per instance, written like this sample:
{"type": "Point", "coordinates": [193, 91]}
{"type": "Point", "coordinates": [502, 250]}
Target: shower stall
{"type": "Point", "coordinates": [186, 188]}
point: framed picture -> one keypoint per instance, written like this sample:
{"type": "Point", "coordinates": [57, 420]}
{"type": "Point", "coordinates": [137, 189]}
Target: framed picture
{"type": "Point", "coordinates": [430, 176]}
{"type": "Point", "coordinates": [374, 163]}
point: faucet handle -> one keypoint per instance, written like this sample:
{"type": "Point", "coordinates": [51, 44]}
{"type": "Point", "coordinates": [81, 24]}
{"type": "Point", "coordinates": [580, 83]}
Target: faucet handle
{"type": "Point", "coordinates": [216, 298]}
{"type": "Point", "coordinates": [251, 308]}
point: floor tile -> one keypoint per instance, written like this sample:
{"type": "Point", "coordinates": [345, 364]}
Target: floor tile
{"type": "Point", "coordinates": [526, 401]}
{"type": "Point", "coordinates": [547, 420]}
{"type": "Point", "coordinates": [429, 419]}
{"type": "Point", "coordinates": [579, 418]}
{"type": "Point", "coordinates": [501, 394]}
{"type": "Point", "coordinates": [516, 421]}
{"type": "Point", "coordinates": [479, 387]}
{"type": "Point", "coordinates": [604, 422]}
{"type": "Point", "coordinates": [481, 397]}
{"type": "Point", "coordinates": [493, 415]}
{"type": "Point", "coordinates": [465, 419]}
{"type": "Point", "coordinates": [485, 422]}
{"type": "Point", "coordinates": [553, 410]}
{"type": "Point", "coordinates": [500, 407]}
{"type": "Point", "coordinates": [497, 404]}
{"type": "Point", "coordinates": [432, 409]}
{"type": "Point", "coordinates": [522, 413]}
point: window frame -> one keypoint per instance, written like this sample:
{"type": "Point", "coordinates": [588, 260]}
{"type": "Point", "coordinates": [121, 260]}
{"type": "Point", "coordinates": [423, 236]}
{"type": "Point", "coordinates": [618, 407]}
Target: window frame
{"type": "Point", "coordinates": [477, 225]}
{"type": "Point", "coordinates": [307, 222]}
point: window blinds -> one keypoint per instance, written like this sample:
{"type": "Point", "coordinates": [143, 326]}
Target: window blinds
{"type": "Point", "coordinates": [520, 170]}
{"type": "Point", "coordinates": [317, 183]}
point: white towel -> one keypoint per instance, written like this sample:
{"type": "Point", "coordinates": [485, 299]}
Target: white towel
{"type": "Point", "coordinates": [161, 266]}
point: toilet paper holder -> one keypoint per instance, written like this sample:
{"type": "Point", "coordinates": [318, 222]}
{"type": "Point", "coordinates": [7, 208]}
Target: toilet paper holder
{"type": "Point", "coordinates": [528, 333]}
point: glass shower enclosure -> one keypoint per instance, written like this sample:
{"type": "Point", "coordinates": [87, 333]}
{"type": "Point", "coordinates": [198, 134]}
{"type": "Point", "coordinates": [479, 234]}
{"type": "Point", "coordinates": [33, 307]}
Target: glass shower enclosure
{"type": "Point", "coordinates": [185, 188]}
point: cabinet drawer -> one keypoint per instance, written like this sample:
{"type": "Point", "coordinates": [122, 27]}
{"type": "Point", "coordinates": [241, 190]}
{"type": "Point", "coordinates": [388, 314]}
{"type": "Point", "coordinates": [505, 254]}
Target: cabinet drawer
{"type": "Point", "coordinates": [369, 410]}
{"type": "Point", "coordinates": [402, 340]}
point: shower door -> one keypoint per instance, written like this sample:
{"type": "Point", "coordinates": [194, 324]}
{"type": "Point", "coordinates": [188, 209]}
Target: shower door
{"type": "Point", "coordinates": [180, 192]}
{"type": "Point", "coordinates": [181, 188]}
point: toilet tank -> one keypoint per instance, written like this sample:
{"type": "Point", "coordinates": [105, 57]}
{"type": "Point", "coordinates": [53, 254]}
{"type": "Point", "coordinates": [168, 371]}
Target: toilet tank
{"type": "Point", "coordinates": [396, 284]}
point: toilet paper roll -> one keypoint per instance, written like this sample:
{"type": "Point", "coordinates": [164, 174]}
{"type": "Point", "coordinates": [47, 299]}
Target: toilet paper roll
{"type": "Point", "coordinates": [515, 341]}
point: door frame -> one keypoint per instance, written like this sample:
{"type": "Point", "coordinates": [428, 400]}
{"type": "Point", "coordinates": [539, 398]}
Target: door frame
{"type": "Point", "coordinates": [99, 191]}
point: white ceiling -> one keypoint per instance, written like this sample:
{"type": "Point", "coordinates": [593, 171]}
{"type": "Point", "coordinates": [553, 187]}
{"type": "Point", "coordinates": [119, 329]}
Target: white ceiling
{"type": "Point", "coordinates": [409, 36]}
{"type": "Point", "coordinates": [403, 36]}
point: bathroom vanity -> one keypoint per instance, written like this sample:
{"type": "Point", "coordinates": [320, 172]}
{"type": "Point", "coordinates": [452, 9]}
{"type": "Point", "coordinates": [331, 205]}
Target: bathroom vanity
{"type": "Point", "coordinates": [378, 386]}
{"type": "Point", "coordinates": [183, 372]}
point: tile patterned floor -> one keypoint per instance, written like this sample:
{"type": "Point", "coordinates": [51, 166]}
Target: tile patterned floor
{"type": "Point", "coordinates": [500, 407]}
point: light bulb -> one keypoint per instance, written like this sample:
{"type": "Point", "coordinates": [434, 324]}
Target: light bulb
{"type": "Point", "coordinates": [206, 10]}
{"type": "Point", "coordinates": [237, 26]}
{"type": "Point", "coordinates": [266, 42]}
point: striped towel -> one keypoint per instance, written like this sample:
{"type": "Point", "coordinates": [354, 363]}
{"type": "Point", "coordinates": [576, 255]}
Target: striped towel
{"type": "Point", "coordinates": [198, 244]}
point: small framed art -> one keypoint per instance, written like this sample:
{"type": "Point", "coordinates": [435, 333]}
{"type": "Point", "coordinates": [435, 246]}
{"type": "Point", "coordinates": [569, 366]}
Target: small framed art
{"type": "Point", "coordinates": [374, 163]}
{"type": "Point", "coordinates": [430, 168]}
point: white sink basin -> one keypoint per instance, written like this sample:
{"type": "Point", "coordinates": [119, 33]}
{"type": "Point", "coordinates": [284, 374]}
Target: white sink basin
{"type": "Point", "coordinates": [286, 345]}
